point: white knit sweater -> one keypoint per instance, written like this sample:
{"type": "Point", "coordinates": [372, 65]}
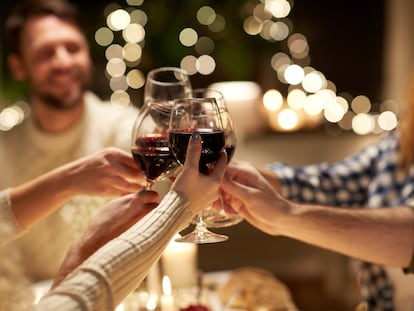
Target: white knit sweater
{"type": "Point", "coordinates": [25, 153]}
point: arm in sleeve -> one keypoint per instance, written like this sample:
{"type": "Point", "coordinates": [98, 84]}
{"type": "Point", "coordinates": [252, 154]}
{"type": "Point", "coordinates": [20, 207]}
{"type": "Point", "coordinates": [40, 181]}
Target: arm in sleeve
{"type": "Point", "coordinates": [342, 183]}
{"type": "Point", "coordinates": [9, 227]}
{"type": "Point", "coordinates": [116, 269]}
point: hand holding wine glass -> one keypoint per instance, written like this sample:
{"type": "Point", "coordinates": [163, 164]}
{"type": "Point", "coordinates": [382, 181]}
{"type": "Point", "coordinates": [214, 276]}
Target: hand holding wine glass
{"type": "Point", "coordinates": [199, 115]}
{"type": "Point", "coordinates": [217, 216]}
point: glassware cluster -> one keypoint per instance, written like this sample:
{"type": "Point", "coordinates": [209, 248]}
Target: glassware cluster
{"type": "Point", "coordinates": [171, 112]}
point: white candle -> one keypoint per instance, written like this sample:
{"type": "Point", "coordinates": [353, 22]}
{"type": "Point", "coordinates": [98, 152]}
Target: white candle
{"type": "Point", "coordinates": [153, 280]}
{"type": "Point", "coordinates": [179, 262]}
{"type": "Point", "coordinates": [167, 299]}
{"type": "Point", "coordinates": [243, 99]}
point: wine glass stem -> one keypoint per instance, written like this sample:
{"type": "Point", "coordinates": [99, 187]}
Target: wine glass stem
{"type": "Point", "coordinates": [148, 185]}
{"type": "Point", "coordinates": [221, 201]}
{"type": "Point", "coordinates": [200, 225]}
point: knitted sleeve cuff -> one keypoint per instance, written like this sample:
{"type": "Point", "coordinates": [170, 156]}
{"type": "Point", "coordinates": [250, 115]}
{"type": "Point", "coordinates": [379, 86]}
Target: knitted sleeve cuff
{"type": "Point", "coordinates": [9, 227]}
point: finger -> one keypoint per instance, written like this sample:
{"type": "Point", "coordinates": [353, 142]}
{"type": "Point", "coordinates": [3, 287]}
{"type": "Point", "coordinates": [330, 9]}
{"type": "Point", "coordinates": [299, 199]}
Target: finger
{"type": "Point", "coordinates": [230, 203]}
{"type": "Point", "coordinates": [128, 168]}
{"type": "Point", "coordinates": [220, 166]}
{"type": "Point", "coordinates": [122, 164]}
{"type": "Point", "coordinates": [193, 151]}
{"type": "Point", "coordinates": [236, 189]}
{"type": "Point", "coordinates": [116, 155]}
{"type": "Point", "coordinates": [125, 185]}
{"type": "Point", "coordinates": [148, 196]}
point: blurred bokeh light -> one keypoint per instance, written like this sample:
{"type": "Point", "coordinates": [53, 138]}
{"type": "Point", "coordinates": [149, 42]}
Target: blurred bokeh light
{"type": "Point", "coordinates": [303, 97]}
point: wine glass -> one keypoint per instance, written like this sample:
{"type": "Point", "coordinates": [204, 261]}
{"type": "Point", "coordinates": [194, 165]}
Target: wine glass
{"type": "Point", "coordinates": [217, 217]}
{"type": "Point", "coordinates": [197, 115]}
{"type": "Point", "coordinates": [165, 84]}
{"type": "Point", "coordinates": [149, 145]}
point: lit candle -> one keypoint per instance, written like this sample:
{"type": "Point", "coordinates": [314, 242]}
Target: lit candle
{"type": "Point", "coordinates": [39, 293]}
{"type": "Point", "coordinates": [167, 299]}
{"type": "Point", "coordinates": [151, 302]}
{"type": "Point", "coordinates": [179, 262]}
{"type": "Point", "coordinates": [120, 307]}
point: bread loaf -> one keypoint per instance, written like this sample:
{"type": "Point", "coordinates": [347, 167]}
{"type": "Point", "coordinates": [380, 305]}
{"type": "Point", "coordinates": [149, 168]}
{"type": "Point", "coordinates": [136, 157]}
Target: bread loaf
{"type": "Point", "coordinates": [255, 289]}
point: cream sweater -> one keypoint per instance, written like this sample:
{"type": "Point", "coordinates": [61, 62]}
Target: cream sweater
{"type": "Point", "coordinates": [25, 153]}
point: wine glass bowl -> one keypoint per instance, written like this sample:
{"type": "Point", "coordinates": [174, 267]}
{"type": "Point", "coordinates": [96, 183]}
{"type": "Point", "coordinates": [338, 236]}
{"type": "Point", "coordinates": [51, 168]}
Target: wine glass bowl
{"type": "Point", "coordinates": [189, 115]}
{"type": "Point", "coordinates": [217, 216]}
{"type": "Point", "coordinates": [165, 84]}
{"type": "Point", "coordinates": [199, 115]}
{"type": "Point", "coordinates": [149, 145]}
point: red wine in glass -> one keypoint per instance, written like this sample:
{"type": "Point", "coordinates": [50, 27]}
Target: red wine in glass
{"type": "Point", "coordinates": [153, 156]}
{"type": "Point", "coordinates": [213, 145]}
{"type": "Point", "coordinates": [201, 115]}
{"type": "Point", "coordinates": [230, 149]}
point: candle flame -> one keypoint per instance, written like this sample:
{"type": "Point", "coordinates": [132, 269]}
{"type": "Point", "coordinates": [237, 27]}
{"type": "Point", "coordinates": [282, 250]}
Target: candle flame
{"type": "Point", "coordinates": [151, 302]}
{"type": "Point", "coordinates": [120, 307]}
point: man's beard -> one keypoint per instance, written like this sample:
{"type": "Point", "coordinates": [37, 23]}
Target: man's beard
{"type": "Point", "coordinates": [57, 103]}
{"type": "Point", "coordinates": [65, 102]}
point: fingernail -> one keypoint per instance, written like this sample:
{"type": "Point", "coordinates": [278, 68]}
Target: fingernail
{"type": "Point", "coordinates": [195, 136]}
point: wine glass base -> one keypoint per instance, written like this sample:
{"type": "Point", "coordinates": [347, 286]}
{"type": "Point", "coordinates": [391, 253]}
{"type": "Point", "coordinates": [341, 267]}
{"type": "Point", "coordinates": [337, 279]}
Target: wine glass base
{"type": "Point", "coordinates": [202, 237]}
{"type": "Point", "coordinates": [214, 220]}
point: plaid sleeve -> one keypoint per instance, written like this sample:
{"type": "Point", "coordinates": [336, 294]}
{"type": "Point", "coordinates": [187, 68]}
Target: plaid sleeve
{"type": "Point", "coordinates": [343, 183]}
{"type": "Point", "coordinates": [340, 184]}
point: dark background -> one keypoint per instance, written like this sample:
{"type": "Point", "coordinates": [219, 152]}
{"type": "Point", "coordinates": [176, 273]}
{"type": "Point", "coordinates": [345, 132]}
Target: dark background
{"type": "Point", "coordinates": [345, 39]}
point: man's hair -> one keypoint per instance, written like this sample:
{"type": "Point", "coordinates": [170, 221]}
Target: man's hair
{"type": "Point", "coordinates": [26, 9]}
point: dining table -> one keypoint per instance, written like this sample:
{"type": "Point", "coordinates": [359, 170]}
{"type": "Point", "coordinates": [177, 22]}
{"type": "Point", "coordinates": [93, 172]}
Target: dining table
{"type": "Point", "coordinates": [207, 295]}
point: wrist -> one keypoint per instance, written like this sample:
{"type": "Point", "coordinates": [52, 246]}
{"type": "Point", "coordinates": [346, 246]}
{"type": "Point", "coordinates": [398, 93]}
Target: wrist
{"type": "Point", "coordinates": [289, 218]}
{"type": "Point", "coordinates": [74, 257]}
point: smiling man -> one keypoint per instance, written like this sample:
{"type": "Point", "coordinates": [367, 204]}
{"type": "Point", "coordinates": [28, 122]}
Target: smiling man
{"type": "Point", "coordinates": [50, 53]}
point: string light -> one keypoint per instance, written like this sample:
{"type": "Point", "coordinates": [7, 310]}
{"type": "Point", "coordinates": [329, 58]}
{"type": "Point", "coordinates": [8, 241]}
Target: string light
{"type": "Point", "coordinates": [311, 97]}
{"type": "Point", "coordinates": [349, 113]}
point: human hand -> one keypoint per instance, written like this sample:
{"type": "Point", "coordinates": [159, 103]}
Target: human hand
{"type": "Point", "coordinates": [109, 172]}
{"type": "Point", "coordinates": [248, 192]}
{"type": "Point", "coordinates": [115, 217]}
{"type": "Point", "coordinates": [201, 190]}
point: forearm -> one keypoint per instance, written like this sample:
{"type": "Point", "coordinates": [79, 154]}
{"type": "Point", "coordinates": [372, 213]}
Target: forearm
{"type": "Point", "coordinates": [127, 258]}
{"type": "Point", "coordinates": [35, 199]}
{"type": "Point", "coordinates": [383, 235]}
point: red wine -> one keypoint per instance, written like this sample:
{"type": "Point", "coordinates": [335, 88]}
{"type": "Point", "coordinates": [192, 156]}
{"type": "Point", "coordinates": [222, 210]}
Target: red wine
{"type": "Point", "coordinates": [230, 151]}
{"type": "Point", "coordinates": [213, 145]}
{"type": "Point", "coordinates": [153, 156]}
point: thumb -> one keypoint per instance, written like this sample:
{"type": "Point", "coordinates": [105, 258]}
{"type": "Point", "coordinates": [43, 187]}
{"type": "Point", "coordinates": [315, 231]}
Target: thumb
{"type": "Point", "coordinates": [220, 166]}
{"type": "Point", "coordinates": [236, 189]}
{"type": "Point", "coordinates": [192, 158]}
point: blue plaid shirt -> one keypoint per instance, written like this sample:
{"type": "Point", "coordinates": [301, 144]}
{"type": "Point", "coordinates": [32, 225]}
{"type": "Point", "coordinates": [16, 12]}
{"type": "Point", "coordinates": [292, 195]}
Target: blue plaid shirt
{"type": "Point", "coordinates": [367, 179]}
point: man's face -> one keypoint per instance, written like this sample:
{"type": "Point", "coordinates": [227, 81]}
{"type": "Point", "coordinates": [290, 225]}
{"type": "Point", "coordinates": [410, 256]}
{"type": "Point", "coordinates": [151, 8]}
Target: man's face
{"type": "Point", "coordinates": [55, 60]}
